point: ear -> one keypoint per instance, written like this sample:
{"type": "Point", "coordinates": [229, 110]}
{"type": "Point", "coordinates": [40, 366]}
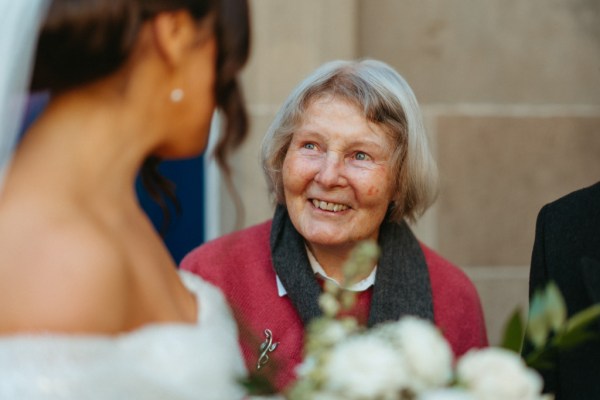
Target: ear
{"type": "Point", "coordinates": [174, 34]}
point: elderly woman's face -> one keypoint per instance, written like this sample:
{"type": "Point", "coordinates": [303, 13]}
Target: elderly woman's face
{"type": "Point", "coordinates": [337, 175]}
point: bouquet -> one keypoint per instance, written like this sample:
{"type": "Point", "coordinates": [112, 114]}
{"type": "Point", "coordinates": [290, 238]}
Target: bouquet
{"type": "Point", "coordinates": [410, 359]}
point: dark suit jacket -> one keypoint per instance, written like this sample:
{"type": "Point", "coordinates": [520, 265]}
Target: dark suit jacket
{"type": "Point", "coordinates": [568, 232]}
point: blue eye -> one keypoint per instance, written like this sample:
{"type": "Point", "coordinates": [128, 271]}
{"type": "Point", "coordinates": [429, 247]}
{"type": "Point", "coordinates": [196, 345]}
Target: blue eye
{"type": "Point", "coordinates": [360, 156]}
{"type": "Point", "coordinates": [309, 146]}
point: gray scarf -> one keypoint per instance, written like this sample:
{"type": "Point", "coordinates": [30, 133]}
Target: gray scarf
{"type": "Point", "coordinates": [401, 287]}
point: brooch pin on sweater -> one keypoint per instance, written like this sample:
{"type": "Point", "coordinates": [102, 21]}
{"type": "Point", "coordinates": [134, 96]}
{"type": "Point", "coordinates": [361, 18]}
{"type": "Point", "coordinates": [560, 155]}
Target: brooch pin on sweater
{"type": "Point", "coordinates": [266, 347]}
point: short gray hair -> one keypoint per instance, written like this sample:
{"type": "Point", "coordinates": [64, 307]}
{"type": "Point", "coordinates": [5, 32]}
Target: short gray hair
{"type": "Point", "coordinates": [387, 101]}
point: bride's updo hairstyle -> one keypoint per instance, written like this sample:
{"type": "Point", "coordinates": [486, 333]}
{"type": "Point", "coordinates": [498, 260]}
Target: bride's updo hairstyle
{"type": "Point", "coordinates": [85, 40]}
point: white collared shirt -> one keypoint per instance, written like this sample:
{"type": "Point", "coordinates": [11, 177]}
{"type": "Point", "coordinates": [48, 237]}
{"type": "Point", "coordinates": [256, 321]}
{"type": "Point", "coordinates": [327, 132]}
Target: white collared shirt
{"type": "Point", "coordinates": [360, 286]}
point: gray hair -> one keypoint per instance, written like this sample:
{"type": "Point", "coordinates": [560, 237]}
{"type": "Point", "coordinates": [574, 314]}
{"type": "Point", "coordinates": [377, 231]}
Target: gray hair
{"type": "Point", "coordinates": [387, 101]}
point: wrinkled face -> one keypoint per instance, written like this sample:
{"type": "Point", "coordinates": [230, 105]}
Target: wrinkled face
{"type": "Point", "coordinates": [337, 175]}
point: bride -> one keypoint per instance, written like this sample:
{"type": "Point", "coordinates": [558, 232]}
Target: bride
{"type": "Point", "coordinates": [91, 303]}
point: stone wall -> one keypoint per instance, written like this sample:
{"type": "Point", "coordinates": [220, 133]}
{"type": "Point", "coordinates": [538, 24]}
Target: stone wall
{"type": "Point", "coordinates": [510, 92]}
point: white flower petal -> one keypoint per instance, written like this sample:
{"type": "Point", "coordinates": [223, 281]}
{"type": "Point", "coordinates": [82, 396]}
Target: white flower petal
{"type": "Point", "coordinates": [494, 374]}
{"type": "Point", "coordinates": [365, 366]}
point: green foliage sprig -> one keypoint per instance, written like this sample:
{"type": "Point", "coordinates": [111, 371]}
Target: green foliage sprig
{"type": "Point", "coordinates": [548, 329]}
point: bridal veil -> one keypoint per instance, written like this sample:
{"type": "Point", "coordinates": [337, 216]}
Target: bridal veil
{"type": "Point", "coordinates": [19, 27]}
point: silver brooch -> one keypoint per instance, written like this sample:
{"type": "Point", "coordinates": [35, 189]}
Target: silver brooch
{"type": "Point", "coordinates": [266, 347]}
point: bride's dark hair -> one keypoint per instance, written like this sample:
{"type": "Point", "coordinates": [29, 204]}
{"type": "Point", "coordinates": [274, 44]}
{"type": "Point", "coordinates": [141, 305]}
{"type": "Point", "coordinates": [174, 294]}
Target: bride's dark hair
{"type": "Point", "coordinates": [84, 40]}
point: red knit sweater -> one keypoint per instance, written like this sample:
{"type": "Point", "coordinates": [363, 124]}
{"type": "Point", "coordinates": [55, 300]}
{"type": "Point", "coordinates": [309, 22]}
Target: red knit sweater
{"type": "Point", "coordinates": [240, 264]}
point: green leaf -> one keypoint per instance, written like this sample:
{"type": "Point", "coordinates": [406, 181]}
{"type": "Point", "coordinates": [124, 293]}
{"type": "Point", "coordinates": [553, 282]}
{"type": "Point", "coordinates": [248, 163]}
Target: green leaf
{"type": "Point", "coordinates": [257, 385]}
{"type": "Point", "coordinates": [542, 358]}
{"type": "Point", "coordinates": [576, 329]}
{"type": "Point", "coordinates": [542, 364]}
{"type": "Point", "coordinates": [567, 342]}
{"type": "Point", "coordinates": [583, 318]}
{"type": "Point", "coordinates": [572, 333]}
{"type": "Point", "coordinates": [512, 338]}
{"type": "Point", "coordinates": [555, 308]}
{"type": "Point", "coordinates": [538, 328]}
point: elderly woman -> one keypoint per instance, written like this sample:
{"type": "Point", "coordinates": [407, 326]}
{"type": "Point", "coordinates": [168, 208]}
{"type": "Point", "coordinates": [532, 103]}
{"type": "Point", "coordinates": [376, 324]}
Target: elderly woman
{"type": "Point", "coordinates": [346, 159]}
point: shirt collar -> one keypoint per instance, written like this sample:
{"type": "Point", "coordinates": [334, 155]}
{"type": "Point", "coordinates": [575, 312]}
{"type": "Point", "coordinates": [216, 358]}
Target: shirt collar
{"type": "Point", "coordinates": [360, 286]}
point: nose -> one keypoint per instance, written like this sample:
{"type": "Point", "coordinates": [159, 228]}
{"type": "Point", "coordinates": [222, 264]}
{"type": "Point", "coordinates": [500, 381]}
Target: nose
{"type": "Point", "coordinates": [332, 171]}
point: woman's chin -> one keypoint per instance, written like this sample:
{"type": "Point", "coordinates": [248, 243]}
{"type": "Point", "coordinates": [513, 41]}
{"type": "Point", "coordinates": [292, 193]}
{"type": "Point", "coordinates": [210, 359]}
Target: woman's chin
{"type": "Point", "coordinates": [329, 241]}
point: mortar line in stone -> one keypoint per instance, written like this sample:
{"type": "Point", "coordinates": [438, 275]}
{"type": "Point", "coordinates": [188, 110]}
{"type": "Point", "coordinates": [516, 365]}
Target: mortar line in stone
{"type": "Point", "coordinates": [511, 110]}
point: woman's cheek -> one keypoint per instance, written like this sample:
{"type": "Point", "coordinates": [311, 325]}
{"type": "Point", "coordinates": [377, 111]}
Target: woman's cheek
{"type": "Point", "coordinates": [302, 167]}
{"type": "Point", "coordinates": [377, 186]}
{"type": "Point", "coordinates": [373, 191]}
{"type": "Point", "coordinates": [293, 174]}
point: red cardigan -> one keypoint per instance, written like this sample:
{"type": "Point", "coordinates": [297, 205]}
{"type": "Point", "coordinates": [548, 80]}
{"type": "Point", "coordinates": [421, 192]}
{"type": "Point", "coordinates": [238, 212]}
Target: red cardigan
{"type": "Point", "coordinates": [240, 264]}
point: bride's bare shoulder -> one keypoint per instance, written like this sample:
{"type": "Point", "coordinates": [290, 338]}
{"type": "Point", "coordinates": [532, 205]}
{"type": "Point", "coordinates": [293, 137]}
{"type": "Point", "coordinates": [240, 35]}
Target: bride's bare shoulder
{"type": "Point", "coordinates": [60, 275]}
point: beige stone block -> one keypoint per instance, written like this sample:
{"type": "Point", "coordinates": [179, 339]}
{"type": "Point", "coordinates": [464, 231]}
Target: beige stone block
{"type": "Point", "coordinates": [249, 180]}
{"type": "Point", "coordinates": [426, 227]}
{"type": "Point", "coordinates": [292, 38]}
{"type": "Point", "coordinates": [534, 51]}
{"type": "Point", "coordinates": [502, 291]}
{"type": "Point", "coordinates": [497, 172]}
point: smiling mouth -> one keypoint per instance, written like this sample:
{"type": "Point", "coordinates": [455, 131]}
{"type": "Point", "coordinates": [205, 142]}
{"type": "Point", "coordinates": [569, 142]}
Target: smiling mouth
{"type": "Point", "coordinates": [323, 205]}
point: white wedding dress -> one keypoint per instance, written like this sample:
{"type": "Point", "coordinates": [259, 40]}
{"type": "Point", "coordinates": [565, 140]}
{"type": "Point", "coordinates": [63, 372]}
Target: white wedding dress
{"type": "Point", "coordinates": [160, 361]}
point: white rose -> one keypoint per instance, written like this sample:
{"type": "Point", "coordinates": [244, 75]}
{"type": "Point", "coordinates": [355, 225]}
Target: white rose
{"type": "Point", "coordinates": [333, 332]}
{"type": "Point", "coordinates": [365, 366]}
{"type": "Point", "coordinates": [307, 366]}
{"type": "Point", "coordinates": [325, 396]}
{"type": "Point", "coordinates": [498, 374]}
{"type": "Point", "coordinates": [324, 333]}
{"type": "Point", "coordinates": [428, 355]}
{"type": "Point", "coordinates": [446, 394]}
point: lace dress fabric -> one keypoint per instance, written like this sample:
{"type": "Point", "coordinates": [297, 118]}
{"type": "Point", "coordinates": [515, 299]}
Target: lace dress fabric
{"type": "Point", "coordinates": [160, 361]}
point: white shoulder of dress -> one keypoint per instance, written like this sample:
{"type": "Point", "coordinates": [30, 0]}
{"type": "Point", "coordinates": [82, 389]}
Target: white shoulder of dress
{"type": "Point", "coordinates": [212, 306]}
{"type": "Point", "coordinates": [158, 361]}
